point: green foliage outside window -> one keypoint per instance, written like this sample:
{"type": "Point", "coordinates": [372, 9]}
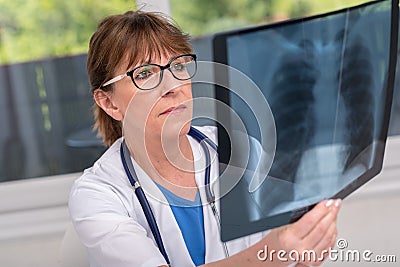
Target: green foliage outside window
{"type": "Point", "coordinates": [49, 28]}
{"type": "Point", "coordinates": [200, 17]}
{"type": "Point", "coordinates": [37, 29]}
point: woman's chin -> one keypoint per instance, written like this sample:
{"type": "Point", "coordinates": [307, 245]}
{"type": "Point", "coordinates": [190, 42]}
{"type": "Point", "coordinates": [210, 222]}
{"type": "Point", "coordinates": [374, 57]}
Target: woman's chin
{"type": "Point", "coordinates": [185, 129]}
{"type": "Point", "coordinates": [173, 130]}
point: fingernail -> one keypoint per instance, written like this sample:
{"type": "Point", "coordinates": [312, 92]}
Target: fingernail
{"type": "Point", "coordinates": [337, 202]}
{"type": "Point", "coordinates": [329, 203]}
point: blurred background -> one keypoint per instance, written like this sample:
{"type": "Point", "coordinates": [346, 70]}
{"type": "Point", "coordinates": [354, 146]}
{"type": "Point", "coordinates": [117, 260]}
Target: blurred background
{"type": "Point", "coordinates": [46, 136]}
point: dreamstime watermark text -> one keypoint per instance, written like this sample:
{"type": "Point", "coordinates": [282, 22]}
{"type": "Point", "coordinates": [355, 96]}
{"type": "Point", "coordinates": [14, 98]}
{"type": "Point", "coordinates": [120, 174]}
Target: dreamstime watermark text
{"type": "Point", "coordinates": [341, 254]}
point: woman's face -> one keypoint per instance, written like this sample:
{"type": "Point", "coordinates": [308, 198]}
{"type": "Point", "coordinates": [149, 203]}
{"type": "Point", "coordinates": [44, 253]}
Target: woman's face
{"type": "Point", "coordinates": [163, 111]}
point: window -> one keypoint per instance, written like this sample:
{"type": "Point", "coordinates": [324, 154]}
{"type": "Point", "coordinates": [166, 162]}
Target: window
{"type": "Point", "coordinates": [45, 108]}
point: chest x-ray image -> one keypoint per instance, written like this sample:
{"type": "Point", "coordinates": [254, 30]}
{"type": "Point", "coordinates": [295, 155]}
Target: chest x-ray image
{"type": "Point", "coordinates": [328, 81]}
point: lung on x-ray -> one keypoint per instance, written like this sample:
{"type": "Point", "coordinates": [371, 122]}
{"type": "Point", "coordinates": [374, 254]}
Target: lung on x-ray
{"type": "Point", "coordinates": [328, 80]}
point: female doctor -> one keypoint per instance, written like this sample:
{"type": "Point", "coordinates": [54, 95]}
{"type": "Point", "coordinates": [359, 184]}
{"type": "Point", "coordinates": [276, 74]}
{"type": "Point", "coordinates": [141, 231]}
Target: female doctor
{"type": "Point", "coordinates": [140, 65]}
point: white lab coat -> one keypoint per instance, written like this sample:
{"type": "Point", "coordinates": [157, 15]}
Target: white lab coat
{"type": "Point", "coordinates": [110, 223]}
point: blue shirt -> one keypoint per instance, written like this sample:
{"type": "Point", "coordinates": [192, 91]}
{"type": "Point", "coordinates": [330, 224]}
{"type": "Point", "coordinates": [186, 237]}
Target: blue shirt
{"type": "Point", "coordinates": [189, 216]}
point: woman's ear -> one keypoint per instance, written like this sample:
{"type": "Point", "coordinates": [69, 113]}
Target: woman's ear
{"type": "Point", "coordinates": [103, 100]}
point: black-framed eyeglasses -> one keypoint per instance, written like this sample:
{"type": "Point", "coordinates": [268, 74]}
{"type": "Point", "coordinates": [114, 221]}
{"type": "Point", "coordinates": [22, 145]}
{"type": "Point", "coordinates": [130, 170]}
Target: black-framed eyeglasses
{"type": "Point", "coordinates": [149, 76]}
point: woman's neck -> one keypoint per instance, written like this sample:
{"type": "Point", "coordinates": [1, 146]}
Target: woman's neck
{"type": "Point", "coordinates": [168, 162]}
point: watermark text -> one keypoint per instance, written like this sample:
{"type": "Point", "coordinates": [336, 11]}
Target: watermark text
{"type": "Point", "coordinates": [341, 254]}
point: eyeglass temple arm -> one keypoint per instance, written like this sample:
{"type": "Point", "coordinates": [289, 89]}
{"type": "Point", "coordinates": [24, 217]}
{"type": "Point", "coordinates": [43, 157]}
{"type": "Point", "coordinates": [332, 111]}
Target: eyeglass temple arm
{"type": "Point", "coordinates": [113, 80]}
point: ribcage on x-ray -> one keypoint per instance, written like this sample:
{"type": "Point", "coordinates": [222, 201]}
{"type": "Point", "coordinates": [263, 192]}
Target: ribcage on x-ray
{"type": "Point", "coordinates": [291, 102]}
{"type": "Point", "coordinates": [356, 90]}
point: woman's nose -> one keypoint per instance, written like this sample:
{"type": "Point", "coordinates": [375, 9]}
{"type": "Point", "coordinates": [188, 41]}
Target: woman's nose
{"type": "Point", "coordinates": [169, 84]}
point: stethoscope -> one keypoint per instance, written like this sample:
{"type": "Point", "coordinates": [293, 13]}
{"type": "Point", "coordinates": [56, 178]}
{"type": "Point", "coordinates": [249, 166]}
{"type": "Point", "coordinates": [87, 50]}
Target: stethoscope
{"type": "Point", "coordinates": [130, 172]}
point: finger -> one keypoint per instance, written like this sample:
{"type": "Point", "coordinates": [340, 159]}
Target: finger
{"type": "Point", "coordinates": [321, 251]}
{"type": "Point", "coordinates": [333, 241]}
{"type": "Point", "coordinates": [324, 254]}
{"type": "Point", "coordinates": [308, 222]}
{"type": "Point", "coordinates": [336, 206]}
{"type": "Point", "coordinates": [324, 245]}
{"type": "Point", "coordinates": [316, 255]}
{"type": "Point", "coordinates": [325, 228]}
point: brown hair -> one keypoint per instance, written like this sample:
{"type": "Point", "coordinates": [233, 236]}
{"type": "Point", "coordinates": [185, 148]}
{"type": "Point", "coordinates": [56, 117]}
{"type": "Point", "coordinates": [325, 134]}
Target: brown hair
{"type": "Point", "coordinates": [135, 36]}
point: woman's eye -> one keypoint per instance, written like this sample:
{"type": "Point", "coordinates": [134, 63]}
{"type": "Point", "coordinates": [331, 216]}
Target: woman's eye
{"type": "Point", "coordinates": [179, 66]}
{"type": "Point", "coordinates": [143, 74]}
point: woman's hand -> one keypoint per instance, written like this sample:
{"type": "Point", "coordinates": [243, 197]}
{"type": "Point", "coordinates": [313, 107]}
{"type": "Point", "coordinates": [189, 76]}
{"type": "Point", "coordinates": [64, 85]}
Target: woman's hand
{"type": "Point", "coordinates": [312, 237]}
{"type": "Point", "coordinates": [314, 234]}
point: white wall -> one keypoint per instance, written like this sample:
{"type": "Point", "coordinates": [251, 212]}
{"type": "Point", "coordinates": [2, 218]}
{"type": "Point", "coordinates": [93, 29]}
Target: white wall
{"type": "Point", "coordinates": [34, 216]}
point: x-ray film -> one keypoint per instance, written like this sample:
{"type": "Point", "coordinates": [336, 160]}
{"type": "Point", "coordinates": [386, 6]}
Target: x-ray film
{"type": "Point", "coordinates": [328, 81]}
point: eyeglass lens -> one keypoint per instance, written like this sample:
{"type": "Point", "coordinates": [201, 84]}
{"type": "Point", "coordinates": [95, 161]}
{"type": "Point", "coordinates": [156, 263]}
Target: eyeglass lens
{"type": "Point", "coordinates": [149, 76]}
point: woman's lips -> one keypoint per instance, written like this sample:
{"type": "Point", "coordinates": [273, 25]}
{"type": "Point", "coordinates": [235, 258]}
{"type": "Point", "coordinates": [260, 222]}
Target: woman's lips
{"type": "Point", "coordinates": [174, 110]}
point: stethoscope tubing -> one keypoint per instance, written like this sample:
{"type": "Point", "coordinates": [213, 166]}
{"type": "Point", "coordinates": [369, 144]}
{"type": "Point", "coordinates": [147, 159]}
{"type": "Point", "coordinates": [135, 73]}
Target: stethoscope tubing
{"type": "Point", "coordinates": [144, 203]}
{"type": "Point", "coordinates": [204, 140]}
{"type": "Point", "coordinates": [132, 176]}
